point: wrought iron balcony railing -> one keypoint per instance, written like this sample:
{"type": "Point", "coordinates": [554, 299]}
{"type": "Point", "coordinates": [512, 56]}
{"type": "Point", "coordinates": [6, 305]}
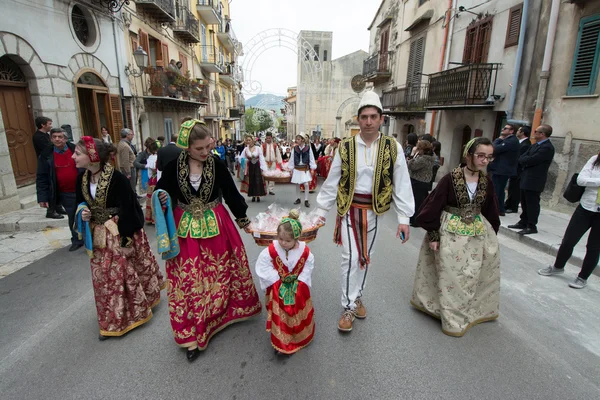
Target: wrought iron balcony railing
{"type": "Point", "coordinates": [410, 98]}
{"type": "Point", "coordinates": [160, 10]}
{"type": "Point", "coordinates": [172, 85]}
{"type": "Point", "coordinates": [186, 26]}
{"type": "Point", "coordinates": [376, 67]}
{"type": "Point", "coordinates": [211, 59]}
{"type": "Point", "coordinates": [469, 85]}
{"type": "Point", "coordinates": [227, 36]}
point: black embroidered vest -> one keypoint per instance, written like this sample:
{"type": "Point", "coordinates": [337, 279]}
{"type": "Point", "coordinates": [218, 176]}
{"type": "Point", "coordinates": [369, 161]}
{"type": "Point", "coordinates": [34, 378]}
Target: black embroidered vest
{"type": "Point", "coordinates": [303, 155]}
{"type": "Point", "coordinates": [387, 152]}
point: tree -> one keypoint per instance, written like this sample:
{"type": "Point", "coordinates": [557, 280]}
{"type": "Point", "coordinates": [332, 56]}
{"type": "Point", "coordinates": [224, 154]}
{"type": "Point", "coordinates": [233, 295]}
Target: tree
{"type": "Point", "coordinates": [257, 120]}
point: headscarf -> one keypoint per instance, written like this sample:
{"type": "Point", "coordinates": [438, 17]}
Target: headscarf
{"type": "Point", "coordinates": [183, 139]}
{"type": "Point", "coordinates": [91, 150]}
{"type": "Point", "coordinates": [468, 147]}
{"type": "Point", "coordinates": [296, 226]}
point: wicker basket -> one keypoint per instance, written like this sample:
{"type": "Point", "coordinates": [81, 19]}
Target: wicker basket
{"type": "Point", "coordinates": [265, 238]}
{"type": "Point", "coordinates": [278, 179]}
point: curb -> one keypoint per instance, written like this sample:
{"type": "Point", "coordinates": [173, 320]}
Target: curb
{"type": "Point", "coordinates": [547, 248]}
{"type": "Point", "coordinates": [32, 226]}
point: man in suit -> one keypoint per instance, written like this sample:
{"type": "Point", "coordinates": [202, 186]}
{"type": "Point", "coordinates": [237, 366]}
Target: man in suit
{"type": "Point", "coordinates": [125, 156]}
{"type": "Point", "coordinates": [506, 158]}
{"type": "Point", "coordinates": [167, 154]}
{"type": "Point", "coordinates": [514, 190]}
{"type": "Point", "coordinates": [535, 162]}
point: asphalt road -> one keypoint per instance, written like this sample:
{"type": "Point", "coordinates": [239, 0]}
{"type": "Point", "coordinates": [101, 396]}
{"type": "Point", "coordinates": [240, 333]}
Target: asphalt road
{"type": "Point", "coordinates": [545, 345]}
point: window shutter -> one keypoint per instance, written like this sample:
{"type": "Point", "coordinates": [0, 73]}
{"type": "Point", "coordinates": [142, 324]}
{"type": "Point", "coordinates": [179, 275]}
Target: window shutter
{"type": "Point", "coordinates": [159, 55]}
{"type": "Point", "coordinates": [128, 114]}
{"type": "Point", "coordinates": [514, 26]}
{"type": "Point", "coordinates": [584, 72]}
{"type": "Point", "coordinates": [184, 64]}
{"type": "Point", "coordinates": [145, 43]}
{"type": "Point", "coordinates": [116, 116]}
{"type": "Point", "coordinates": [134, 43]}
{"type": "Point", "coordinates": [165, 53]}
{"type": "Point", "coordinates": [415, 62]}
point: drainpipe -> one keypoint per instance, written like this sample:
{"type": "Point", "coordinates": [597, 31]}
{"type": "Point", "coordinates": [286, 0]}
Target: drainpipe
{"type": "Point", "coordinates": [545, 75]}
{"type": "Point", "coordinates": [120, 72]}
{"type": "Point", "coordinates": [442, 61]}
{"type": "Point", "coordinates": [517, 73]}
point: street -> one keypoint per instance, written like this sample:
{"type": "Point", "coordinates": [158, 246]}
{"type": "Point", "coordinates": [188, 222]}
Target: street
{"type": "Point", "coordinates": [545, 345]}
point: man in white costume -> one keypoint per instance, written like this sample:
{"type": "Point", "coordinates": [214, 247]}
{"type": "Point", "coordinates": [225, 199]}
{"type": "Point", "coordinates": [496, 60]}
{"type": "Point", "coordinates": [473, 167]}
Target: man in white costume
{"type": "Point", "coordinates": [367, 175]}
{"type": "Point", "coordinates": [272, 156]}
{"type": "Point", "coordinates": [301, 162]}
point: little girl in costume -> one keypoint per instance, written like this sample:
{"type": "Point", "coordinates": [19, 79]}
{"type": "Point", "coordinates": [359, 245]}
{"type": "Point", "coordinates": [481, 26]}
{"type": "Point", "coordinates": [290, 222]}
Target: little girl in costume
{"type": "Point", "coordinates": [285, 270]}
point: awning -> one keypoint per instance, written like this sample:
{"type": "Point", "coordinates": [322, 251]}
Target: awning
{"type": "Point", "coordinates": [427, 15]}
{"type": "Point", "coordinates": [385, 21]}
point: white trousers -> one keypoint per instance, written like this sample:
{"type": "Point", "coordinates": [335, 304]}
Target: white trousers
{"type": "Point", "coordinates": [353, 277]}
{"type": "Point", "coordinates": [271, 184]}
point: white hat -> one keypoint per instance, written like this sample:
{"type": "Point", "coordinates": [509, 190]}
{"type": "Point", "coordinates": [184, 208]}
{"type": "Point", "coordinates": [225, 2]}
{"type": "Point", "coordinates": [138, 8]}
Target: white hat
{"type": "Point", "coordinates": [303, 136]}
{"type": "Point", "coordinates": [370, 99]}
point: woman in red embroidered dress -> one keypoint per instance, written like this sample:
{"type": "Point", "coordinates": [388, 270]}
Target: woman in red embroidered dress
{"type": "Point", "coordinates": [209, 283]}
{"type": "Point", "coordinates": [285, 271]}
{"type": "Point", "coordinates": [125, 275]}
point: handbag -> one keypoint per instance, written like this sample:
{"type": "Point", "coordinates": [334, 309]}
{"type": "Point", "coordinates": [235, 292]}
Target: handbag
{"type": "Point", "coordinates": [573, 192]}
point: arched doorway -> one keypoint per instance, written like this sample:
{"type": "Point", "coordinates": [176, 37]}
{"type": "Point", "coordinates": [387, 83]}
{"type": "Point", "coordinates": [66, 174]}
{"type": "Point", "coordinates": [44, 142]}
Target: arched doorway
{"type": "Point", "coordinates": [15, 105]}
{"type": "Point", "coordinates": [97, 108]}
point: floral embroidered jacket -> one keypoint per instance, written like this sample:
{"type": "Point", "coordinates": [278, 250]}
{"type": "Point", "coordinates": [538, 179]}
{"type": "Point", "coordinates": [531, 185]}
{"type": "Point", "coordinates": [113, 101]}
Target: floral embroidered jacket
{"type": "Point", "coordinates": [216, 183]}
{"type": "Point", "coordinates": [451, 191]}
{"type": "Point", "coordinates": [114, 196]}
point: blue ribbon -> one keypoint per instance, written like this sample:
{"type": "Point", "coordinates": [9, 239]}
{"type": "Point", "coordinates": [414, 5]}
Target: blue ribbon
{"type": "Point", "coordinates": [166, 229]}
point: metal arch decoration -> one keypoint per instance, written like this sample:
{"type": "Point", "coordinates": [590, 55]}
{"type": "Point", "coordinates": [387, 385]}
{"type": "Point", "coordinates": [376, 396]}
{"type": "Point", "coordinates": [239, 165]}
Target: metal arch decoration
{"type": "Point", "coordinates": [112, 5]}
{"type": "Point", "coordinates": [282, 38]}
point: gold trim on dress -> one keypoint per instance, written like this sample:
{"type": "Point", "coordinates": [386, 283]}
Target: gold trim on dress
{"type": "Point", "coordinates": [129, 328]}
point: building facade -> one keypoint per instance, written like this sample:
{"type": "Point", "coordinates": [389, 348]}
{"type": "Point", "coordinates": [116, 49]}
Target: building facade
{"type": "Point", "coordinates": [324, 86]}
{"type": "Point", "coordinates": [58, 59]}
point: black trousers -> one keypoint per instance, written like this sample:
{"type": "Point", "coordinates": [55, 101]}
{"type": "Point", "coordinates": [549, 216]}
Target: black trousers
{"type": "Point", "coordinates": [68, 202]}
{"type": "Point", "coordinates": [530, 203]}
{"type": "Point", "coordinates": [580, 222]}
{"type": "Point", "coordinates": [499, 186]}
{"type": "Point", "coordinates": [514, 194]}
{"type": "Point", "coordinates": [420, 192]}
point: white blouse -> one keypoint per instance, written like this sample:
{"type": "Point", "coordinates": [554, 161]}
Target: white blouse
{"type": "Point", "coordinates": [93, 187]}
{"type": "Point", "coordinates": [590, 178]}
{"type": "Point", "coordinates": [256, 153]}
{"type": "Point", "coordinates": [195, 180]}
{"type": "Point", "coordinates": [268, 275]}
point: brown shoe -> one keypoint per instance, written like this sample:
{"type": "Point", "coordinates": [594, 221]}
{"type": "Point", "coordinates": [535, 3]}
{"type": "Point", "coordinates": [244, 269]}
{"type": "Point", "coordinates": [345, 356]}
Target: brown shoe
{"type": "Point", "coordinates": [345, 324]}
{"type": "Point", "coordinates": [360, 311]}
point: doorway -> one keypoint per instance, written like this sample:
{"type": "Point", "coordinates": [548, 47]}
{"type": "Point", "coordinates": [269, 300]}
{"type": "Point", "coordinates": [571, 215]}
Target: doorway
{"type": "Point", "coordinates": [15, 106]}
{"type": "Point", "coordinates": [98, 108]}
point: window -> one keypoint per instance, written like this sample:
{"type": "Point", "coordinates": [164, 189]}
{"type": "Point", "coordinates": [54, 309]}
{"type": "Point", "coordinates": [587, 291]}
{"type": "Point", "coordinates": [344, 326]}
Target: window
{"type": "Point", "coordinates": [84, 28]}
{"type": "Point", "coordinates": [316, 48]}
{"type": "Point", "coordinates": [324, 55]}
{"type": "Point", "coordinates": [80, 25]}
{"type": "Point", "coordinates": [421, 2]}
{"type": "Point", "coordinates": [514, 26]}
{"type": "Point", "coordinates": [477, 41]}
{"type": "Point", "coordinates": [168, 129]}
{"type": "Point", "coordinates": [584, 71]}
{"type": "Point", "coordinates": [415, 62]}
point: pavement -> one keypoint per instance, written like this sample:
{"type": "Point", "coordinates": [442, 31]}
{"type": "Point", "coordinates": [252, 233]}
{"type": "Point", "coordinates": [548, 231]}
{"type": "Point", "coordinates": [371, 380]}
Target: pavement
{"type": "Point", "coordinates": [545, 345]}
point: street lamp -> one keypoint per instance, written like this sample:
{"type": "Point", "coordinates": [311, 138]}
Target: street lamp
{"type": "Point", "coordinates": [141, 60]}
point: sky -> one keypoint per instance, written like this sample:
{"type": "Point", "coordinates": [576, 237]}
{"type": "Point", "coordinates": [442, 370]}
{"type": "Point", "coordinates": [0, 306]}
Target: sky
{"type": "Point", "coordinates": [275, 69]}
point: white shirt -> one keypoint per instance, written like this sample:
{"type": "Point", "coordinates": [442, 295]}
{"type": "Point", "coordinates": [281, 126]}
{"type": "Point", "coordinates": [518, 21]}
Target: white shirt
{"type": "Point", "coordinates": [366, 159]}
{"type": "Point", "coordinates": [311, 158]}
{"type": "Point", "coordinates": [268, 275]}
{"type": "Point", "coordinates": [151, 161]}
{"type": "Point", "coordinates": [257, 152]}
{"type": "Point", "coordinates": [272, 154]}
{"type": "Point", "coordinates": [93, 187]}
{"type": "Point", "coordinates": [524, 139]}
{"type": "Point", "coordinates": [590, 178]}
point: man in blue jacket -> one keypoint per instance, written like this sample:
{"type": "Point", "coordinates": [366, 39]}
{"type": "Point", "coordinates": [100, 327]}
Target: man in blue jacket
{"type": "Point", "coordinates": [506, 159]}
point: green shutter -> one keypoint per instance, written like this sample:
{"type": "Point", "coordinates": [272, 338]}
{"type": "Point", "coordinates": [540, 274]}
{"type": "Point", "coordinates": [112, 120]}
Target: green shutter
{"type": "Point", "coordinates": [584, 72]}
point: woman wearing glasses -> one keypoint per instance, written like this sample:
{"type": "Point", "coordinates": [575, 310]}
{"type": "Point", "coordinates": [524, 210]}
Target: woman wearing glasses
{"type": "Point", "coordinates": [458, 272]}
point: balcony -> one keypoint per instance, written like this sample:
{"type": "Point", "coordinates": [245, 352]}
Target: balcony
{"type": "Point", "coordinates": [467, 86]}
{"type": "Point", "coordinates": [227, 36]}
{"type": "Point", "coordinates": [230, 75]}
{"type": "Point", "coordinates": [376, 68]}
{"type": "Point", "coordinates": [160, 10]}
{"type": "Point", "coordinates": [209, 11]}
{"type": "Point", "coordinates": [410, 99]}
{"type": "Point", "coordinates": [186, 26]}
{"type": "Point", "coordinates": [211, 60]}
{"type": "Point", "coordinates": [175, 90]}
